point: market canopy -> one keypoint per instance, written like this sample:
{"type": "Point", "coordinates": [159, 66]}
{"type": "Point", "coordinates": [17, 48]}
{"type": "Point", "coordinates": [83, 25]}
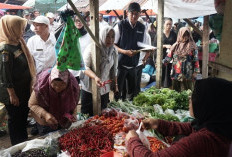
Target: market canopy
{"type": "Point", "coordinates": [10, 6]}
{"type": "Point", "coordinates": [172, 8]}
{"type": "Point", "coordinates": [179, 9]}
{"type": "Point", "coordinates": [45, 5]}
{"type": "Point", "coordinates": [29, 3]}
{"type": "Point", "coordinates": [81, 5]}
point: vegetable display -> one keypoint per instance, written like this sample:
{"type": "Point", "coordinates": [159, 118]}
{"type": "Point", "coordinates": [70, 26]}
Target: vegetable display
{"type": "Point", "coordinates": [165, 97]}
{"type": "Point", "coordinates": [31, 153]}
{"type": "Point", "coordinates": [91, 141]}
{"type": "Point", "coordinates": [155, 144]}
{"type": "Point", "coordinates": [106, 132]}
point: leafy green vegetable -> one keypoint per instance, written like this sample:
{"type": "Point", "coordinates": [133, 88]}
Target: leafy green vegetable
{"type": "Point", "coordinates": [168, 117]}
{"type": "Point", "coordinates": [167, 98]}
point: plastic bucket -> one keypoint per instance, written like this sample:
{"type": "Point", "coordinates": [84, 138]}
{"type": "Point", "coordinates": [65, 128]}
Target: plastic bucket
{"type": "Point", "coordinates": [111, 154]}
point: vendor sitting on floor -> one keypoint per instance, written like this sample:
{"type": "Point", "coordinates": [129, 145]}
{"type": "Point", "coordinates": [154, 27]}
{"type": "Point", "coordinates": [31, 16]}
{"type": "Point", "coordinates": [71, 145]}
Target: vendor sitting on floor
{"type": "Point", "coordinates": [54, 99]}
{"type": "Point", "coordinates": [209, 135]}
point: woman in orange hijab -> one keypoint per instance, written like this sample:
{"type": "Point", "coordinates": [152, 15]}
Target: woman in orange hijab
{"type": "Point", "coordinates": [17, 71]}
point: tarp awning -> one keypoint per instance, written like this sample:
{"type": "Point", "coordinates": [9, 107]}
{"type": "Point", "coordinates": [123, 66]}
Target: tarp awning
{"type": "Point", "coordinates": [81, 5]}
{"type": "Point", "coordinates": [10, 6]}
{"type": "Point", "coordinates": [179, 9]}
{"type": "Point", "coordinates": [29, 3]}
{"type": "Point", "coordinates": [172, 8]}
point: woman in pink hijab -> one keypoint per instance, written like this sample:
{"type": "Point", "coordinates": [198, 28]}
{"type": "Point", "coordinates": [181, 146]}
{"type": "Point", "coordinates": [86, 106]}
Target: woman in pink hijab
{"type": "Point", "coordinates": [54, 99]}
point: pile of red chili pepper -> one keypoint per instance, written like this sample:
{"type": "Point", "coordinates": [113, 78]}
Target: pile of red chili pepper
{"type": "Point", "coordinates": [155, 144]}
{"type": "Point", "coordinates": [91, 141]}
{"type": "Point", "coordinates": [112, 123]}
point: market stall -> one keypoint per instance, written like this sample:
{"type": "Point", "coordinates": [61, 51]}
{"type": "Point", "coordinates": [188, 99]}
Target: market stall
{"type": "Point", "coordinates": [105, 133]}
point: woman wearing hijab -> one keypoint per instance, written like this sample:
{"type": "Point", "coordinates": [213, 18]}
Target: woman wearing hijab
{"type": "Point", "coordinates": [185, 65]}
{"type": "Point", "coordinates": [54, 99]}
{"type": "Point", "coordinates": [209, 135]}
{"type": "Point", "coordinates": [17, 71]}
{"type": "Point", "coordinates": [169, 38]}
{"type": "Point", "coordinates": [108, 71]}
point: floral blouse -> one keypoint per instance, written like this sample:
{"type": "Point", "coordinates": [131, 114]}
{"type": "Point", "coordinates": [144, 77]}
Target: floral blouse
{"type": "Point", "coordinates": [183, 67]}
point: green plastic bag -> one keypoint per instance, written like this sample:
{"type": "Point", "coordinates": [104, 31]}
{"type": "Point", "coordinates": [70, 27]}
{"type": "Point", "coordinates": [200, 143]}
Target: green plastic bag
{"type": "Point", "coordinates": [69, 56]}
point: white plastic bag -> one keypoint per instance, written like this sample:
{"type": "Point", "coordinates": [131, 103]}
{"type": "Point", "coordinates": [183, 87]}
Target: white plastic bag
{"type": "Point", "coordinates": [158, 109]}
{"type": "Point", "coordinates": [36, 143]}
{"type": "Point", "coordinates": [145, 78]}
{"type": "Point", "coordinates": [64, 154]}
{"type": "Point", "coordinates": [142, 137]}
{"type": "Point", "coordinates": [170, 111]}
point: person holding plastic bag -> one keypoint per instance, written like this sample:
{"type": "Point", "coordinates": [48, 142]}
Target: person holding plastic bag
{"type": "Point", "coordinates": [210, 133]}
{"type": "Point", "coordinates": [54, 99]}
{"type": "Point", "coordinates": [108, 71]}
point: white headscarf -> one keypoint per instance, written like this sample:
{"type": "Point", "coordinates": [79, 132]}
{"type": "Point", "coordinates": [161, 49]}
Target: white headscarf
{"type": "Point", "coordinates": [103, 33]}
{"type": "Point", "coordinates": [105, 51]}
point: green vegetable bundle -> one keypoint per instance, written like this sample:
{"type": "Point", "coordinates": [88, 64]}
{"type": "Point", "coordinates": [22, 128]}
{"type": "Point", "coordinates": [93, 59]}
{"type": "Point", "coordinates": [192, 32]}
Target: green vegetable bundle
{"type": "Point", "coordinates": [167, 98]}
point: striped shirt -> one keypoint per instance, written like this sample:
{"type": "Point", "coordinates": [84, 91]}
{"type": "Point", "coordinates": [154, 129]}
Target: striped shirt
{"type": "Point", "coordinates": [202, 143]}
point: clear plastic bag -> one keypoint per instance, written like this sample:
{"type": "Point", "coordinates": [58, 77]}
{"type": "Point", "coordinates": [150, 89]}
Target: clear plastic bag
{"type": "Point", "coordinates": [137, 115]}
{"type": "Point", "coordinates": [109, 112]}
{"type": "Point", "coordinates": [142, 137]}
{"type": "Point", "coordinates": [122, 115]}
{"type": "Point", "coordinates": [131, 123]}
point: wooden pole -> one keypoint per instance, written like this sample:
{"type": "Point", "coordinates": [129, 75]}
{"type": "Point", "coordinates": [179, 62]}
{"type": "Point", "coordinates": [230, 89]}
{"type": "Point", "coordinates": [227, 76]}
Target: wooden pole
{"type": "Point", "coordinates": [124, 14]}
{"type": "Point", "coordinates": [159, 43]}
{"type": "Point", "coordinates": [117, 14]}
{"type": "Point", "coordinates": [205, 57]}
{"type": "Point", "coordinates": [94, 23]}
{"type": "Point", "coordinates": [83, 22]}
{"type": "Point", "coordinates": [145, 12]}
{"type": "Point", "coordinates": [194, 27]}
{"type": "Point", "coordinates": [225, 57]}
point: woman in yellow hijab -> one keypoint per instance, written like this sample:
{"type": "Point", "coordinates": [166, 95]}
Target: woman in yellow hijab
{"type": "Point", "coordinates": [17, 71]}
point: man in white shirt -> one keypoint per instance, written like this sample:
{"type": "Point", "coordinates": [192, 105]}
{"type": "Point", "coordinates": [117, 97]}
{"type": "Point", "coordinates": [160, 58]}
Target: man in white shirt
{"type": "Point", "coordinates": [42, 44]}
{"type": "Point", "coordinates": [102, 22]}
{"type": "Point", "coordinates": [53, 24]}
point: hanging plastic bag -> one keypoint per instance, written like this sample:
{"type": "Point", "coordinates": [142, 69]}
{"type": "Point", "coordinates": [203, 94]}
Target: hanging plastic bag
{"type": "Point", "coordinates": [142, 137]}
{"type": "Point", "coordinates": [68, 48]}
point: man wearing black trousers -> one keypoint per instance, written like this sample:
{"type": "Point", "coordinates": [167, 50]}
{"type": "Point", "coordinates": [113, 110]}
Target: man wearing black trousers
{"type": "Point", "coordinates": [127, 33]}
